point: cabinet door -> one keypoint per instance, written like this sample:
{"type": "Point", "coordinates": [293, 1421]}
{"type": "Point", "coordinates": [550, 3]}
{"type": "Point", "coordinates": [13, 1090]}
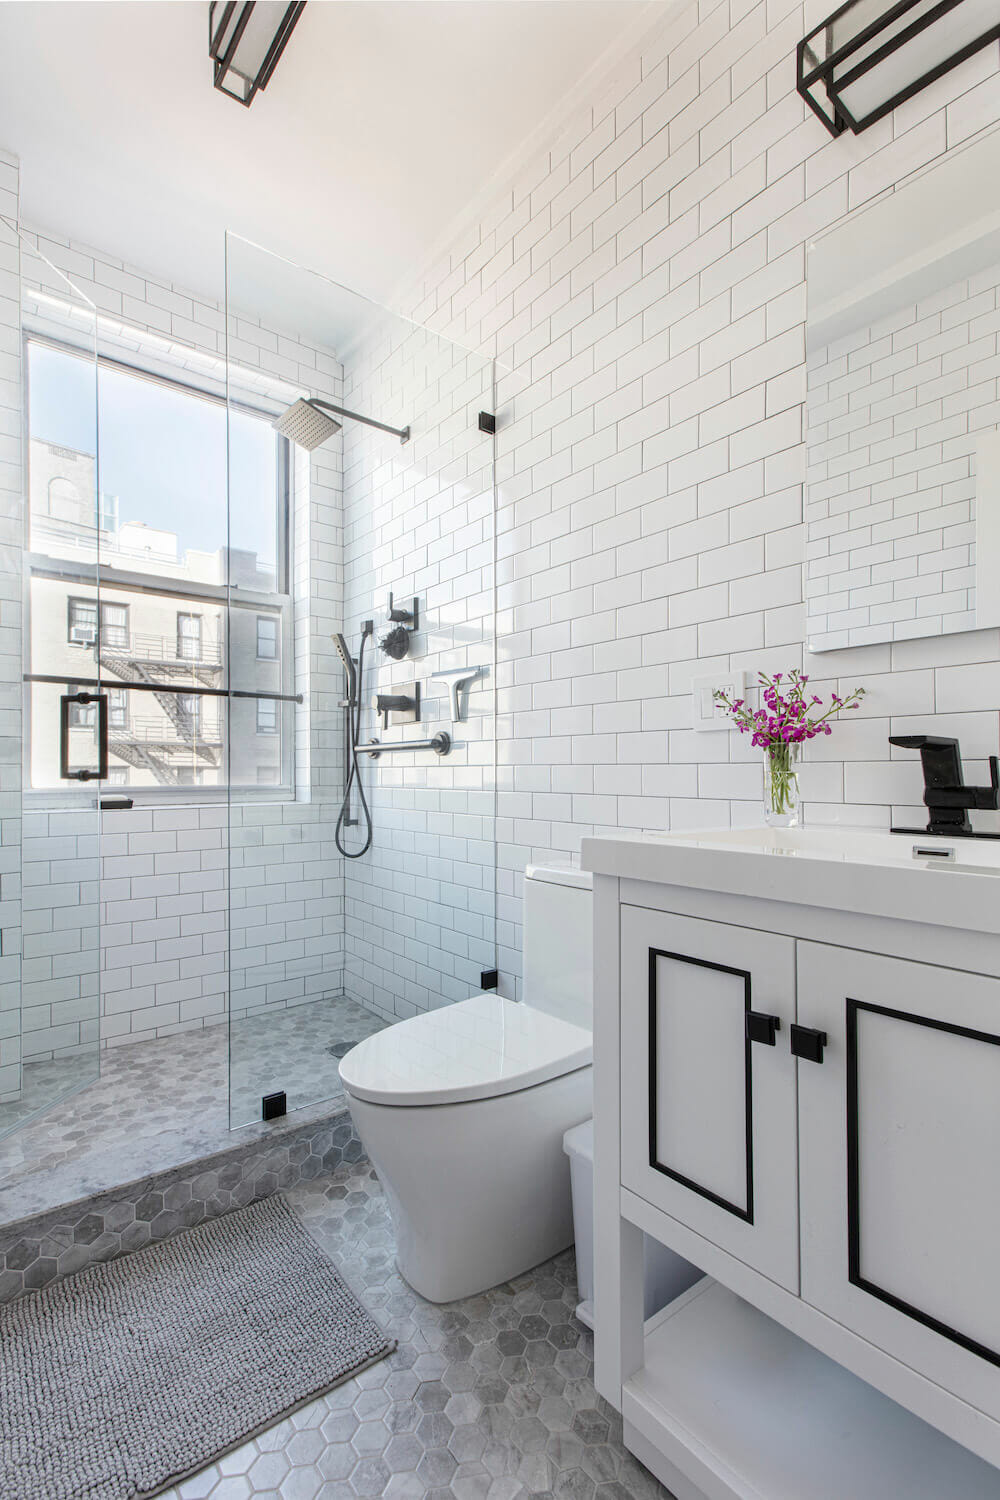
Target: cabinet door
{"type": "Point", "coordinates": [899, 1151]}
{"type": "Point", "coordinates": [708, 1112]}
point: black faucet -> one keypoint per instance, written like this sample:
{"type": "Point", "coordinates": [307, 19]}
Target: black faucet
{"type": "Point", "coordinates": [945, 793]}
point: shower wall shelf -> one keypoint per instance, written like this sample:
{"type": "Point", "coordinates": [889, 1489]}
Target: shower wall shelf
{"type": "Point", "coordinates": [440, 743]}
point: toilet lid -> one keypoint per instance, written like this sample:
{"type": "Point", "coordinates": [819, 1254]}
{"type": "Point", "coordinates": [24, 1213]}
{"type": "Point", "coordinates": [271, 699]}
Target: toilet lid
{"type": "Point", "coordinates": [474, 1049]}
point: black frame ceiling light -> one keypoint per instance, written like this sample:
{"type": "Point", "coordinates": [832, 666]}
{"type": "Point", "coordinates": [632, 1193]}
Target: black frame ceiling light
{"type": "Point", "coordinates": [245, 41]}
{"type": "Point", "coordinates": [871, 55]}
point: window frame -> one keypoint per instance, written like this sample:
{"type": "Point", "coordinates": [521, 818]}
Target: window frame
{"type": "Point", "coordinates": [104, 576]}
{"type": "Point", "coordinates": [104, 628]}
{"type": "Point", "coordinates": [277, 720]}
{"type": "Point", "coordinates": [118, 705]}
{"type": "Point", "coordinates": [92, 607]}
{"type": "Point", "coordinates": [275, 655]}
{"type": "Point", "coordinates": [197, 636]}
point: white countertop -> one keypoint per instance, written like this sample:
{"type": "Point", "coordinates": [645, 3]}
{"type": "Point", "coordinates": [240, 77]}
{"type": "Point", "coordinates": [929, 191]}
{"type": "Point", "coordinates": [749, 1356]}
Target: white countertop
{"type": "Point", "coordinates": [847, 869]}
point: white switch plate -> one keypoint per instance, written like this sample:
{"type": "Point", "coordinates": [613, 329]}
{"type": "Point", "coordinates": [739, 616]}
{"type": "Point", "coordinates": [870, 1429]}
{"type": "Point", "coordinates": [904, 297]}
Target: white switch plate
{"type": "Point", "coordinates": [705, 712]}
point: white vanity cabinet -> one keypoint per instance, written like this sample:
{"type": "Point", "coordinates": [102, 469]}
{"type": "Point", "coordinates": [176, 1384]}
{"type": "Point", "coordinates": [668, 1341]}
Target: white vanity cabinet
{"type": "Point", "coordinates": [708, 1113]}
{"type": "Point", "coordinates": [899, 1141]}
{"type": "Point", "coordinates": [798, 1089]}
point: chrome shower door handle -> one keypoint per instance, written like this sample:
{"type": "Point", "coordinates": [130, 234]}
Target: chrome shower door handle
{"type": "Point", "coordinates": [101, 774]}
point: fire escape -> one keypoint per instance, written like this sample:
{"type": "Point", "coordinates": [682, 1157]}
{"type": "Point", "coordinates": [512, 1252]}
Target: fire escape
{"type": "Point", "coordinates": [157, 662]}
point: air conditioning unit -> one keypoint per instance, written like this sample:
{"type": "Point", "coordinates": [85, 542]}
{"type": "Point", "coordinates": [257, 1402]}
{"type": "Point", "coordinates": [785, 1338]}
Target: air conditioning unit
{"type": "Point", "coordinates": [83, 635]}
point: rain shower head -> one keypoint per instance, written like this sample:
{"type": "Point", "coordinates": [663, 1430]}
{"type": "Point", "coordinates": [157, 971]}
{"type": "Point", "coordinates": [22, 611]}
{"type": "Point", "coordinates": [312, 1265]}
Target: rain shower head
{"type": "Point", "coordinates": [304, 423]}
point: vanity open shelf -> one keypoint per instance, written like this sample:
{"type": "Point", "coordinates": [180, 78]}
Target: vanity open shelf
{"type": "Point", "coordinates": [731, 1401]}
{"type": "Point", "coordinates": [797, 1088]}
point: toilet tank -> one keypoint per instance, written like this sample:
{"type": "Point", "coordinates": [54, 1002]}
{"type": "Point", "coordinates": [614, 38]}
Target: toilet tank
{"type": "Point", "coordinates": [558, 942]}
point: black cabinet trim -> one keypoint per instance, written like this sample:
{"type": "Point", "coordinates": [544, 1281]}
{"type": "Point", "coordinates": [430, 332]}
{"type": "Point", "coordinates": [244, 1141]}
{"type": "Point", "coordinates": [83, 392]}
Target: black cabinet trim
{"type": "Point", "coordinates": [703, 963]}
{"type": "Point", "coordinates": [854, 1170]}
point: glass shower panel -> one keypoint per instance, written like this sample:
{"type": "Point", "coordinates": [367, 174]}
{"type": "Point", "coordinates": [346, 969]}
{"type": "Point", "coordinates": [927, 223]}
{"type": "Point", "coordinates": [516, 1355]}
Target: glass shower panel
{"type": "Point", "coordinates": [55, 705]}
{"type": "Point", "coordinates": [390, 492]}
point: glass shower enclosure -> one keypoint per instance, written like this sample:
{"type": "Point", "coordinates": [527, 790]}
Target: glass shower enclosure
{"type": "Point", "coordinates": [54, 712]}
{"type": "Point", "coordinates": [363, 880]}
{"type": "Point", "coordinates": [204, 828]}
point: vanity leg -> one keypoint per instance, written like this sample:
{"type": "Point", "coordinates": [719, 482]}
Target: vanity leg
{"type": "Point", "coordinates": [618, 1245]}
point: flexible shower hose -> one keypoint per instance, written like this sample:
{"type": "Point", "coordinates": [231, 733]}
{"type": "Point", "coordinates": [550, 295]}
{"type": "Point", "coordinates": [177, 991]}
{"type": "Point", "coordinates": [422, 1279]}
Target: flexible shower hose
{"type": "Point", "coordinates": [354, 774]}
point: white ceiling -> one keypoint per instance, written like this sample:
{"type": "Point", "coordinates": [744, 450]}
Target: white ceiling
{"type": "Point", "coordinates": [381, 126]}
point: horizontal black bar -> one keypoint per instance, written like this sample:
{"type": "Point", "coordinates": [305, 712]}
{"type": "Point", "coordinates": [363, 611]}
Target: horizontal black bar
{"type": "Point", "coordinates": [159, 687]}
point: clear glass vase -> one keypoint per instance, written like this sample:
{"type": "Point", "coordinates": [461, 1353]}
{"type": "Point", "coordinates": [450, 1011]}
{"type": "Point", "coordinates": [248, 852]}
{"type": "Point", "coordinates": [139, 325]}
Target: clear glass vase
{"type": "Point", "coordinates": [781, 786]}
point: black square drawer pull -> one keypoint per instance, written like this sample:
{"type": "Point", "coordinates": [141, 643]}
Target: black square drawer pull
{"type": "Point", "coordinates": [761, 1028]}
{"type": "Point", "coordinates": [808, 1043]}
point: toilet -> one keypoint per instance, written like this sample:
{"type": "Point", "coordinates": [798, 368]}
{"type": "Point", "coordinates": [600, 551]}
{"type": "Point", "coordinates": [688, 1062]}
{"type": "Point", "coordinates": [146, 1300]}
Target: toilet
{"type": "Point", "coordinates": [462, 1110]}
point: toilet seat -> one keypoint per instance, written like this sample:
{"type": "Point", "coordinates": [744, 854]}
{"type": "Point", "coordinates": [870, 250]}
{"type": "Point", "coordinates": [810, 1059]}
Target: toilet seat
{"type": "Point", "coordinates": [475, 1049]}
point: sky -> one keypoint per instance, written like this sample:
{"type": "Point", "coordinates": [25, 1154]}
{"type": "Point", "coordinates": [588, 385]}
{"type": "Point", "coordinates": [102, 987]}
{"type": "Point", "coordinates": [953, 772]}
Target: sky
{"type": "Point", "coordinates": [162, 452]}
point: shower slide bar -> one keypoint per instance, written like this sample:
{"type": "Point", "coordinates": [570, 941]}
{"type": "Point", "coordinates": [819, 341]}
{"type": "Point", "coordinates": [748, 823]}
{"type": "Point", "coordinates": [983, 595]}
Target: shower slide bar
{"type": "Point", "coordinates": [440, 743]}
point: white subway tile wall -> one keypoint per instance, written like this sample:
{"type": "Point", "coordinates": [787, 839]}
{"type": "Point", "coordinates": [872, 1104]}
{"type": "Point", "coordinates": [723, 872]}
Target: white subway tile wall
{"type": "Point", "coordinates": [643, 281]}
{"type": "Point", "coordinates": [11, 534]}
{"type": "Point", "coordinates": [419, 519]}
{"type": "Point", "coordinates": [642, 288]}
{"type": "Point", "coordinates": [895, 411]}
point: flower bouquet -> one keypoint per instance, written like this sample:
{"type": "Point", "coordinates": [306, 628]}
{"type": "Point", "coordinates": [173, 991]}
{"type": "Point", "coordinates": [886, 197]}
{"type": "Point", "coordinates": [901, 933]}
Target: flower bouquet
{"type": "Point", "coordinates": [786, 718]}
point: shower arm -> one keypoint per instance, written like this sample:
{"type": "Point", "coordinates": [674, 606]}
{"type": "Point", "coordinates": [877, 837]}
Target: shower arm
{"type": "Point", "coordinates": [403, 433]}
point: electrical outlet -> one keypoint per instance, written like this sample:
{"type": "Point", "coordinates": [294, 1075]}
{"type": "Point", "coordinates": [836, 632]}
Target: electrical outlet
{"type": "Point", "coordinates": [705, 712]}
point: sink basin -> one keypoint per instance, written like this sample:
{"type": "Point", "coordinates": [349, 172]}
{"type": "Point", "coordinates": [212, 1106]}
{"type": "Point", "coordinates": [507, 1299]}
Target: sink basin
{"type": "Point", "coordinates": [908, 876]}
{"type": "Point", "coordinates": [860, 845]}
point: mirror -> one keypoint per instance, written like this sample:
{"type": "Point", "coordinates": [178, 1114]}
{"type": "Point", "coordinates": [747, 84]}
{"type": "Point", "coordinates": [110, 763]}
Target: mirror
{"type": "Point", "coordinates": [902, 499]}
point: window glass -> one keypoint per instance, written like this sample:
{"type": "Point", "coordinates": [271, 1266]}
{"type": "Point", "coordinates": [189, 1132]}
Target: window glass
{"type": "Point", "coordinates": [189, 637]}
{"type": "Point", "coordinates": [117, 708]}
{"type": "Point", "coordinates": [161, 514]}
{"type": "Point", "coordinates": [81, 622]}
{"type": "Point", "coordinates": [267, 638]}
{"type": "Point", "coordinates": [114, 626]}
{"type": "Point", "coordinates": [162, 506]}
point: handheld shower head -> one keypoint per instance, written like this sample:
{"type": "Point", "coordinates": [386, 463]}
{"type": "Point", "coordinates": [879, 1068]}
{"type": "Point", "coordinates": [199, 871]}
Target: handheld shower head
{"type": "Point", "coordinates": [343, 651]}
{"type": "Point", "coordinates": [306, 425]}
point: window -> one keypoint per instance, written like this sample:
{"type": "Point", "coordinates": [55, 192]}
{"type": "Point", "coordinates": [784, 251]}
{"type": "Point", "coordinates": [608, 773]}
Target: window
{"type": "Point", "coordinates": [189, 637]}
{"type": "Point", "coordinates": [82, 617]}
{"type": "Point", "coordinates": [81, 715]}
{"type": "Point", "coordinates": [170, 595]}
{"type": "Point", "coordinates": [114, 626]}
{"type": "Point", "coordinates": [81, 624]}
{"type": "Point", "coordinates": [117, 708]}
{"type": "Point", "coordinates": [189, 710]}
{"type": "Point", "coordinates": [267, 638]}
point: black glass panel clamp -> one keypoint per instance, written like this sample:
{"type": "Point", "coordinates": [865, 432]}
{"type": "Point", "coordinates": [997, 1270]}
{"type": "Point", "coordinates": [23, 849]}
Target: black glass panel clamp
{"type": "Point", "coordinates": [946, 797]}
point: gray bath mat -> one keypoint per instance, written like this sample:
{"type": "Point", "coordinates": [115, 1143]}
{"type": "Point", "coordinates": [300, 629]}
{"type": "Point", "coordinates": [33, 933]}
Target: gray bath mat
{"type": "Point", "coordinates": [119, 1381]}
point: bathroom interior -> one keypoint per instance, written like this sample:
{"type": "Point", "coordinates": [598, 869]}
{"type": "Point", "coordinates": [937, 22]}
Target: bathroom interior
{"type": "Point", "coordinates": [499, 784]}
